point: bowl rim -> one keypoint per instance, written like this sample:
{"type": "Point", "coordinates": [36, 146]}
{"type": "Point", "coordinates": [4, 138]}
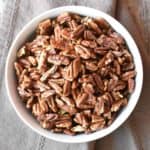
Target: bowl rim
{"type": "Point", "coordinates": [97, 134]}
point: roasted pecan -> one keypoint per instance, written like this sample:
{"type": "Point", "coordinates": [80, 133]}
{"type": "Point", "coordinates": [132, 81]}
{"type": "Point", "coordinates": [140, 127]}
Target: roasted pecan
{"type": "Point", "coordinates": [98, 81]}
{"type": "Point", "coordinates": [47, 125]}
{"type": "Point", "coordinates": [87, 79]}
{"type": "Point", "coordinates": [64, 124]}
{"type": "Point", "coordinates": [83, 51]}
{"type": "Point", "coordinates": [55, 86]}
{"type": "Point", "coordinates": [68, 101]}
{"type": "Point", "coordinates": [46, 74]}
{"type": "Point", "coordinates": [109, 58]}
{"type": "Point", "coordinates": [117, 95]}
{"type": "Point", "coordinates": [40, 85]}
{"type": "Point", "coordinates": [38, 44]}
{"type": "Point", "coordinates": [90, 44]}
{"type": "Point", "coordinates": [21, 52]}
{"type": "Point", "coordinates": [128, 75]}
{"type": "Point", "coordinates": [72, 71]}
{"type": "Point", "coordinates": [43, 105]}
{"type": "Point", "coordinates": [52, 104]}
{"type": "Point", "coordinates": [72, 24]}
{"type": "Point", "coordinates": [85, 106]}
{"type": "Point", "coordinates": [30, 102]}
{"type": "Point", "coordinates": [24, 93]}
{"type": "Point", "coordinates": [97, 118]}
{"type": "Point", "coordinates": [98, 122]}
{"type": "Point", "coordinates": [58, 60]}
{"type": "Point", "coordinates": [88, 88]}
{"type": "Point", "coordinates": [26, 82]}
{"type": "Point", "coordinates": [74, 93]}
{"type": "Point", "coordinates": [23, 73]}
{"type": "Point", "coordinates": [87, 113]}
{"type": "Point", "coordinates": [117, 38]}
{"type": "Point", "coordinates": [78, 128]}
{"type": "Point", "coordinates": [56, 75]}
{"type": "Point", "coordinates": [70, 109]}
{"type": "Point", "coordinates": [91, 66]}
{"type": "Point", "coordinates": [103, 24]}
{"type": "Point", "coordinates": [88, 35]}
{"type": "Point", "coordinates": [32, 60]}
{"type": "Point", "coordinates": [64, 17]}
{"type": "Point", "coordinates": [120, 86]}
{"type": "Point", "coordinates": [57, 130]}
{"type": "Point", "coordinates": [78, 31]}
{"type": "Point", "coordinates": [107, 114]}
{"type": "Point", "coordinates": [76, 74]}
{"type": "Point", "coordinates": [117, 66]}
{"type": "Point", "coordinates": [67, 73]}
{"type": "Point", "coordinates": [47, 93]}
{"type": "Point", "coordinates": [74, 84]}
{"type": "Point", "coordinates": [36, 109]}
{"type": "Point", "coordinates": [64, 116]}
{"type": "Point", "coordinates": [44, 27]}
{"type": "Point", "coordinates": [18, 69]}
{"type": "Point", "coordinates": [34, 74]}
{"type": "Point", "coordinates": [107, 42]}
{"type": "Point", "coordinates": [69, 132]}
{"type": "Point", "coordinates": [117, 104]}
{"type": "Point", "coordinates": [81, 119]}
{"type": "Point", "coordinates": [48, 117]}
{"type": "Point", "coordinates": [42, 60]}
{"type": "Point", "coordinates": [99, 106]}
{"type": "Point", "coordinates": [81, 98]}
{"type": "Point", "coordinates": [57, 32]}
{"type": "Point", "coordinates": [76, 67]}
{"type": "Point", "coordinates": [66, 88]}
{"type": "Point", "coordinates": [131, 85]}
{"type": "Point", "coordinates": [66, 33]}
{"type": "Point", "coordinates": [94, 26]}
{"type": "Point", "coordinates": [25, 63]}
{"type": "Point", "coordinates": [61, 44]}
{"type": "Point", "coordinates": [69, 53]}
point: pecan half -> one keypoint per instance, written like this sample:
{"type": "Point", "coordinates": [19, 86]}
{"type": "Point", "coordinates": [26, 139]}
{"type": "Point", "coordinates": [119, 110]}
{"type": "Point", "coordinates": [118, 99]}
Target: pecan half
{"type": "Point", "coordinates": [66, 88]}
{"type": "Point", "coordinates": [94, 26]}
{"type": "Point", "coordinates": [52, 104]}
{"type": "Point", "coordinates": [21, 52]}
{"type": "Point", "coordinates": [78, 31]}
{"type": "Point", "coordinates": [64, 17]}
{"type": "Point", "coordinates": [44, 27]}
{"type": "Point", "coordinates": [76, 67]}
{"type": "Point", "coordinates": [58, 60]}
{"type": "Point", "coordinates": [55, 86]}
{"type": "Point", "coordinates": [99, 106]}
{"type": "Point", "coordinates": [46, 74]}
{"type": "Point", "coordinates": [83, 51]}
{"type": "Point", "coordinates": [98, 81]}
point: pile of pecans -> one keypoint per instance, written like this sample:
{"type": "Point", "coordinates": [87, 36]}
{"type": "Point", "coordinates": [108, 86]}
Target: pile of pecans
{"type": "Point", "coordinates": [75, 75]}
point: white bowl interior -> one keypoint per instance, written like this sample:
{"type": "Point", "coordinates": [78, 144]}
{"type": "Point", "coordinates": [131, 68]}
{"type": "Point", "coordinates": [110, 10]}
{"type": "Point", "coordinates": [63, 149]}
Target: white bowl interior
{"type": "Point", "coordinates": [11, 81]}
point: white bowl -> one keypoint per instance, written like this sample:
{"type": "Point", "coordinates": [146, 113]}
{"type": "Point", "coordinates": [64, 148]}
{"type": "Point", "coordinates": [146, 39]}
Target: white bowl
{"type": "Point", "coordinates": [11, 80]}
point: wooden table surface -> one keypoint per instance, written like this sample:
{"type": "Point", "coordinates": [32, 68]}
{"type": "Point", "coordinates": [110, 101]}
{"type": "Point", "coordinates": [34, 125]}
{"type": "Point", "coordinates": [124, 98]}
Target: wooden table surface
{"type": "Point", "coordinates": [134, 134]}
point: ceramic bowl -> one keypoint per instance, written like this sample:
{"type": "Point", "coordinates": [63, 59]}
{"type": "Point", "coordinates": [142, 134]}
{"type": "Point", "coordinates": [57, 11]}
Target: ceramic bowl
{"type": "Point", "coordinates": [26, 116]}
